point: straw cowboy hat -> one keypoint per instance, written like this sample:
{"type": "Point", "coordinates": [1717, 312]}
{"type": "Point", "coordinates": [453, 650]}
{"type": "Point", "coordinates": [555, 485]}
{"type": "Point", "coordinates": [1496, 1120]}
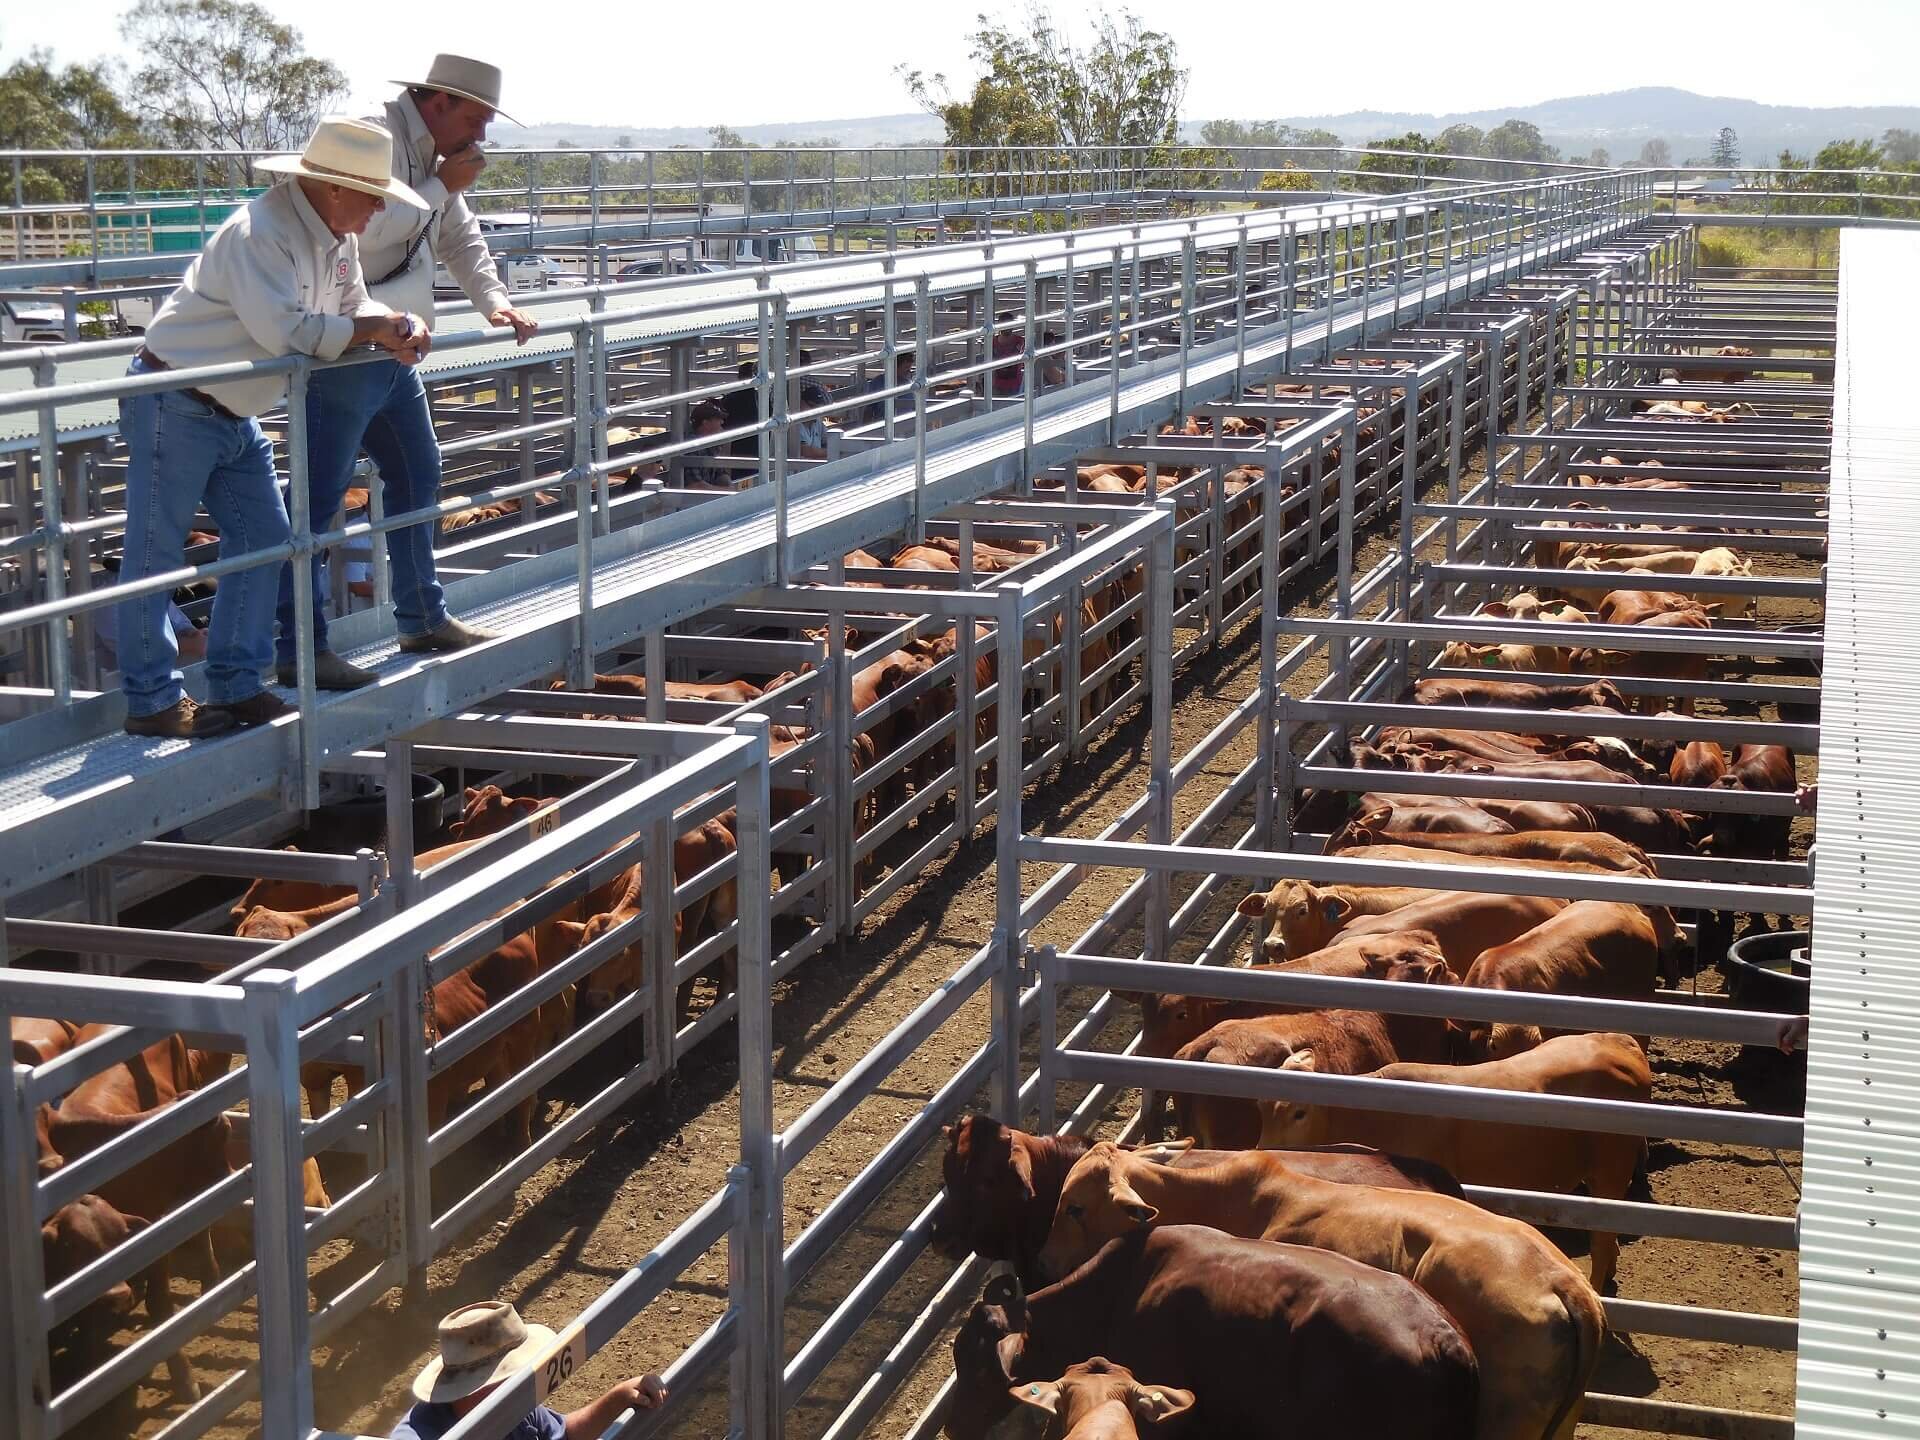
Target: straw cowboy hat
{"type": "Point", "coordinates": [355, 153]}
{"type": "Point", "coordinates": [479, 1345]}
{"type": "Point", "coordinates": [469, 79]}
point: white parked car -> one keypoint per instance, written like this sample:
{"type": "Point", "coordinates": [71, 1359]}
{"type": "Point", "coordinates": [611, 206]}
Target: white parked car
{"type": "Point", "coordinates": [32, 322]}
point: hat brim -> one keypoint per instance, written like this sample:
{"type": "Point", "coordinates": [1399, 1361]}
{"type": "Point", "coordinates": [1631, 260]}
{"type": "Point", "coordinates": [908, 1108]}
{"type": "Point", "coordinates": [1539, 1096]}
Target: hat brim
{"type": "Point", "coordinates": [436, 1385]}
{"type": "Point", "coordinates": [492, 105]}
{"type": "Point", "coordinates": [389, 189]}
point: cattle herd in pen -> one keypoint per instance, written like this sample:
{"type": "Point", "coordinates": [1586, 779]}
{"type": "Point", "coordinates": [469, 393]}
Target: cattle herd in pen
{"type": "Point", "coordinates": [1280, 1267]}
{"type": "Point", "coordinates": [1288, 1268]}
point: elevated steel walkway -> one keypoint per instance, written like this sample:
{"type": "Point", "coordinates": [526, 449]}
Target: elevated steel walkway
{"type": "Point", "coordinates": [75, 788]}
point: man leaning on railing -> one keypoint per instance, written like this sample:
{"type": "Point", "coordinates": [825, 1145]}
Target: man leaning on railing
{"type": "Point", "coordinates": [484, 1345]}
{"type": "Point", "coordinates": [280, 277]}
{"type": "Point", "coordinates": [438, 125]}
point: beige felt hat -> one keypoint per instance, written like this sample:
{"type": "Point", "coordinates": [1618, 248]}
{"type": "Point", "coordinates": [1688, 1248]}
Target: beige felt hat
{"type": "Point", "coordinates": [479, 1344]}
{"type": "Point", "coordinates": [469, 79]}
{"type": "Point", "coordinates": [355, 153]}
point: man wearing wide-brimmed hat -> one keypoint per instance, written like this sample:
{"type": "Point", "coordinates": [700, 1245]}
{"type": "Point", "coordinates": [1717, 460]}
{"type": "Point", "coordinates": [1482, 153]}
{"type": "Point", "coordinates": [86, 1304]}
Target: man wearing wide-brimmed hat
{"type": "Point", "coordinates": [280, 277]}
{"type": "Point", "coordinates": [483, 1345]}
{"type": "Point", "coordinates": [438, 125]}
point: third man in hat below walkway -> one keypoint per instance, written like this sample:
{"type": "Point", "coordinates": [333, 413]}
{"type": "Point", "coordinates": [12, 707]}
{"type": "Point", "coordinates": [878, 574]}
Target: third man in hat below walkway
{"type": "Point", "coordinates": [438, 125]}
{"type": "Point", "coordinates": [483, 1345]}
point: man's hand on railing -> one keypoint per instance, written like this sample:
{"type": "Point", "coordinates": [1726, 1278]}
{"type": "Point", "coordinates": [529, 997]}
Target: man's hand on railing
{"type": "Point", "coordinates": [406, 336]}
{"type": "Point", "coordinates": [523, 324]}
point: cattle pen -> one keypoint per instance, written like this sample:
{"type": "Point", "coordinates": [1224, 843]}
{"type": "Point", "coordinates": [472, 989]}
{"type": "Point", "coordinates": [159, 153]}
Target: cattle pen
{"type": "Point", "coordinates": [1357, 426]}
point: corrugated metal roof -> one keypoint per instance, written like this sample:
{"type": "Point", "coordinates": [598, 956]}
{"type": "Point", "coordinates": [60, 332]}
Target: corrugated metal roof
{"type": "Point", "coordinates": [1859, 1369]}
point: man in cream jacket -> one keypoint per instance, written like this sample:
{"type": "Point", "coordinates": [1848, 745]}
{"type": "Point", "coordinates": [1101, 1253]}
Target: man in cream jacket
{"type": "Point", "coordinates": [438, 125]}
{"type": "Point", "coordinates": [281, 277]}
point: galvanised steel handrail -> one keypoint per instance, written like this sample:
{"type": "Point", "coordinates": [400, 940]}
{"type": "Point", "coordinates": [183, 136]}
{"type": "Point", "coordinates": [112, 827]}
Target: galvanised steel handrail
{"type": "Point", "coordinates": [855, 184]}
{"type": "Point", "coordinates": [1354, 248]}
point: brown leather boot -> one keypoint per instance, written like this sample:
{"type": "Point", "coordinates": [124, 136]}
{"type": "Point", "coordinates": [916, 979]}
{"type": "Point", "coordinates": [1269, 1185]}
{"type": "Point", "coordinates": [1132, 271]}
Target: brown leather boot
{"type": "Point", "coordinates": [257, 709]}
{"type": "Point", "coordinates": [451, 633]}
{"type": "Point", "coordinates": [185, 719]}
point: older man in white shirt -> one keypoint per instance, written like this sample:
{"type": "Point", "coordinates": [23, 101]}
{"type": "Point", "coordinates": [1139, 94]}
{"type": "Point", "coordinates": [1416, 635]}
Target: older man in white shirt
{"type": "Point", "coordinates": [280, 277]}
{"type": "Point", "coordinates": [438, 125]}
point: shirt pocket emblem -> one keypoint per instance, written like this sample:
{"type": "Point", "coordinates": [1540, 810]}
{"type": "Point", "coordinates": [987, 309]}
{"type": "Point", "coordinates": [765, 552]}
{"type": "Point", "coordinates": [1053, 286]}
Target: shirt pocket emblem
{"type": "Point", "coordinates": [340, 273]}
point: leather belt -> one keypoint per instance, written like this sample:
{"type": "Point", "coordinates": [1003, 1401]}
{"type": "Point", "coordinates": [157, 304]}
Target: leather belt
{"type": "Point", "coordinates": [153, 362]}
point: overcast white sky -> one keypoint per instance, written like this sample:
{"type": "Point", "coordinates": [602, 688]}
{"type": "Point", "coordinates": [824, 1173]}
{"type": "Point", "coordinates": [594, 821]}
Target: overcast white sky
{"type": "Point", "coordinates": [743, 62]}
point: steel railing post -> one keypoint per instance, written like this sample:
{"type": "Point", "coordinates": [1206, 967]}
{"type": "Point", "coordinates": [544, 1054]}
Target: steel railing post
{"type": "Point", "coordinates": [1290, 260]}
{"type": "Point", "coordinates": [922, 363]}
{"type": "Point", "coordinates": [52, 531]}
{"type": "Point", "coordinates": [279, 1219]}
{"type": "Point", "coordinates": [837, 851]}
{"type": "Point", "coordinates": [1157, 673]}
{"type": "Point", "coordinates": [1046, 1058]}
{"type": "Point", "coordinates": [1409, 496]}
{"type": "Point", "coordinates": [28, 1385]}
{"type": "Point", "coordinates": [1114, 343]}
{"type": "Point", "coordinates": [772, 388]}
{"type": "Point", "coordinates": [763, 1323]}
{"type": "Point", "coordinates": [1008, 822]}
{"type": "Point", "coordinates": [1030, 374]}
{"type": "Point", "coordinates": [744, 1364]}
{"type": "Point", "coordinates": [597, 411]}
{"type": "Point", "coordinates": [580, 661]}
{"type": "Point", "coordinates": [300, 496]}
{"type": "Point", "coordinates": [1240, 310]}
{"type": "Point", "coordinates": [1270, 564]}
{"type": "Point", "coordinates": [656, 893]}
{"type": "Point", "coordinates": [1187, 287]}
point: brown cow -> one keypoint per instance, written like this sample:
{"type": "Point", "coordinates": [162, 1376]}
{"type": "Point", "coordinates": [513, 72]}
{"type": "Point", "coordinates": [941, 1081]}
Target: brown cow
{"type": "Point", "coordinates": [694, 851]}
{"type": "Point", "coordinates": [36, 1041]}
{"type": "Point", "coordinates": [121, 1097]}
{"type": "Point", "coordinates": [1532, 1318]}
{"type": "Point", "coordinates": [1301, 916]}
{"type": "Point", "coordinates": [1516, 694]}
{"type": "Point", "coordinates": [1606, 851]}
{"type": "Point", "coordinates": [1759, 769]}
{"type": "Point", "coordinates": [1434, 814]}
{"type": "Point", "coordinates": [1002, 1184]}
{"type": "Point", "coordinates": [726, 692]}
{"type": "Point", "coordinates": [1698, 763]}
{"type": "Point", "coordinates": [1483, 1152]}
{"type": "Point", "coordinates": [1170, 1021]}
{"type": "Point", "coordinates": [1098, 1400]}
{"type": "Point", "coordinates": [1464, 923]}
{"type": "Point", "coordinates": [1342, 1042]}
{"type": "Point", "coordinates": [1598, 948]}
{"type": "Point", "coordinates": [1658, 832]}
{"type": "Point", "coordinates": [1273, 1341]}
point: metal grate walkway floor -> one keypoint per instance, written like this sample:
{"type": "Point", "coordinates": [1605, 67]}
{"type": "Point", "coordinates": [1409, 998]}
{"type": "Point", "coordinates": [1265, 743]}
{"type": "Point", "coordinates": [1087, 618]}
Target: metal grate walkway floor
{"type": "Point", "coordinates": [74, 788]}
{"type": "Point", "coordinates": [1859, 1368]}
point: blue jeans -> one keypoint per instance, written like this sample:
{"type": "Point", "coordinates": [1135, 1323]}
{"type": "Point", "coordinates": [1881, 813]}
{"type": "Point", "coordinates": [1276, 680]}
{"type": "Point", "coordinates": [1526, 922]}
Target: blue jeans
{"type": "Point", "coordinates": [381, 406]}
{"type": "Point", "coordinates": [180, 452]}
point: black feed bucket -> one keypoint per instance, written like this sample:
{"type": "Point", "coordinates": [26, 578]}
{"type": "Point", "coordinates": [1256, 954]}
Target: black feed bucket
{"type": "Point", "coordinates": [348, 825]}
{"type": "Point", "coordinates": [1770, 970]}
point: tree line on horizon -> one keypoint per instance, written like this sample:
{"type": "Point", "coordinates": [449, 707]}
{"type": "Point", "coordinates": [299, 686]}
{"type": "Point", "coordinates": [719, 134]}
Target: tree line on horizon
{"type": "Point", "coordinates": [225, 74]}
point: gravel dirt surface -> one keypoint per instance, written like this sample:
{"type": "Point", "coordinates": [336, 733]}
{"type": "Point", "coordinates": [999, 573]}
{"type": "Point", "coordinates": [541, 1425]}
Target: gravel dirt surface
{"type": "Point", "coordinates": [576, 1226]}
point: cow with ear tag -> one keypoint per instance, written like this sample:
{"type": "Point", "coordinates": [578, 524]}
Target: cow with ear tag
{"type": "Point", "coordinates": [1530, 1315]}
{"type": "Point", "coordinates": [1098, 1400]}
{"type": "Point", "coordinates": [1260, 1342]}
{"type": "Point", "coordinates": [1302, 917]}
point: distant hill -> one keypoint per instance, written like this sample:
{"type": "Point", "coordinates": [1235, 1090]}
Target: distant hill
{"type": "Point", "coordinates": [1623, 120]}
{"type": "Point", "coordinates": [915, 129]}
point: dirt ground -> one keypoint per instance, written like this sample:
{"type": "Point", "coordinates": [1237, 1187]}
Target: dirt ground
{"type": "Point", "coordinates": [572, 1229]}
